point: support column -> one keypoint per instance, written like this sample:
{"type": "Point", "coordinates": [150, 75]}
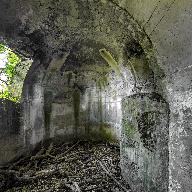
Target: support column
{"type": "Point", "coordinates": [144, 142]}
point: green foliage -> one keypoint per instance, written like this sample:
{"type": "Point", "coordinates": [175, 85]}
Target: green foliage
{"type": "Point", "coordinates": [2, 48]}
{"type": "Point", "coordinates": [129, 129]}
{"type": "Point", "coordinates": [11, 84]}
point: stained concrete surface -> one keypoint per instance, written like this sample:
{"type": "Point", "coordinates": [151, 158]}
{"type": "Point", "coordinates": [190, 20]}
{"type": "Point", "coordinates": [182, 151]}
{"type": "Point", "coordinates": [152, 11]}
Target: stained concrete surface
{"type": "Point", "coordinates": [162, 28]}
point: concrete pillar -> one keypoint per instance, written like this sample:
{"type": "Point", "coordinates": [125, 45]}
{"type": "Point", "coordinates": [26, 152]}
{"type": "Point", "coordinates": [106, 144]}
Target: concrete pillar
{"type": "Point", "coordinates": [144, 142]}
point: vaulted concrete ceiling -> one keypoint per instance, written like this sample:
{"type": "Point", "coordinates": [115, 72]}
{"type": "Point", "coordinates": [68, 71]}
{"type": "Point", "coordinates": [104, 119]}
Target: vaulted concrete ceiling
{"type": "Point", "coordinates": [49, 27]}
{"type": "Point", "coordinates": [76, 28]}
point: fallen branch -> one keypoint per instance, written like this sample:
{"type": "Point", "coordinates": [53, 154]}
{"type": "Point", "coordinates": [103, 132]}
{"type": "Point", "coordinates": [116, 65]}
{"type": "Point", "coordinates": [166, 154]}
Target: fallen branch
{"type": "Point", "coordinates": [62, 155]}
{"type": "Point", "coordinates": [25, 178]}
{"type": "Point", "coordinates": [92, 188]}
{"type": "Point", "coordinates": [77, 187]}
{"type": "Point", "coordinates": [74, 166]}
{"type": "Point", "coordinates": [111, 176]}
{"type": "Point", "coordinates": [42, 156]}
{"type": "Point", "coordinates": [12, 178]}
{"type": "Point", "coordinates": [11, 167]}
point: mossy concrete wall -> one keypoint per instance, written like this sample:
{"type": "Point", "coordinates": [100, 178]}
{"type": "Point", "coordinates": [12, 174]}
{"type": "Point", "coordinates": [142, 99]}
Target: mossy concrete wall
{"type": "Point", "coordinates": [168, 24]}
{"type": "Point", "coordinates": [144, 142]}
{"type": "Point", "coordinates": [71, 89]}
{"type": "Point", "coordinates": [72, 105]}
{"type": "Point", "coordinates": [40, 29]}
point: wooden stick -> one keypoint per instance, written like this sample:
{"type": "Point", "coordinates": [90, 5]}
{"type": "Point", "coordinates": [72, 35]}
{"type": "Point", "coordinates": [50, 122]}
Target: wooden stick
{"type": "Point", "coordinates": [62, 154]}
{"type": "Point", "coordinates": [111, 176]}
{"type": "Point", "coordinates": [77, 187]}
{"type": "Point", "coordinates": [25, 178]}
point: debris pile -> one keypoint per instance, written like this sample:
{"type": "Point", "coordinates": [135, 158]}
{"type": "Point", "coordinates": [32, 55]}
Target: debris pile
{"type": "Point", "coordinates": [76, 167]}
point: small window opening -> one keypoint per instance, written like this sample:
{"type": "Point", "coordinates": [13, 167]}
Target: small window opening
{"type": "Point", "coordinates": [13, 69]}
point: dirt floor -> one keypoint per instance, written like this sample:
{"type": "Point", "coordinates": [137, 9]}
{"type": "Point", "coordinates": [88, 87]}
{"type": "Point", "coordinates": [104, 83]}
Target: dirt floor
{"type": "Point", "coordinates": [76, 167]}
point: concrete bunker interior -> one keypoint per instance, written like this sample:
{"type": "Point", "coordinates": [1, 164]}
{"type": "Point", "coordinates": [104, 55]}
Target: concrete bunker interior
{"type": "Point", "coordinates": [95, 76]}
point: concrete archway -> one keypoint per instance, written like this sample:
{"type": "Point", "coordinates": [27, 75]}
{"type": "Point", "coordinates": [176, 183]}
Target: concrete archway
{"type": "Point", "coordinates": [83, 28]}
{"type": "Point", "coordinates": [78, 93]}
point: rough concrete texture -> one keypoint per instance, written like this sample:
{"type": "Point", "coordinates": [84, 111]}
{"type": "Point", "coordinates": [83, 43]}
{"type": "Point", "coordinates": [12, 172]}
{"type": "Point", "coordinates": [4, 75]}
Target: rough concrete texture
{"type": "Point", "coordinates": [72, 73]}
{"type": "Point", "coordinates": [168, 24]}
{"type": "Point", "coordinates": [9, 117]}
{"type": "Point", "coordinates": [71, 88]}
{"type": "Point", "coordinates": [144, 146]}
{"type": "Point", "coordinates": [10, 140]}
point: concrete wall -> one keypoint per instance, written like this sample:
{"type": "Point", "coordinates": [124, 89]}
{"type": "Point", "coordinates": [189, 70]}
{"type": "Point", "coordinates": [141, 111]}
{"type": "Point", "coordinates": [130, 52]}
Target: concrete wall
{"type": "Point", "coordinates": [112, 24]}
{"type": "Point", "coordinates": [10, 135]}
{"type": "Point", "coordinates": [9, 117]}
{"type": "Point", "coordinates": [144, 145]}
{"type": "Point", "coordinates": [72, 106]}
{"type": "Point", "coordinates": [168, 24]}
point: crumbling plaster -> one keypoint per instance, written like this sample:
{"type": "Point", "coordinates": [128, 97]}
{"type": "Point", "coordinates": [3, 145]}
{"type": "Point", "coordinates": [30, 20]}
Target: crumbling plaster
{"type": "Point", "coordinates": [28, 25]}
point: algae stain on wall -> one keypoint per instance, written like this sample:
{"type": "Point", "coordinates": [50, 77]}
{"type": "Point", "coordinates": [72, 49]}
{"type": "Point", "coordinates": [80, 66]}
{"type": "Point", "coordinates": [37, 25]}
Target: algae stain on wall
{"type": "Point", "coordinates": [106, 55]}
{"type": "Point", "coordinates": [47, 113]}
{"type": "Point", "coordinates": [102, 81]}
{"type": "Point", "coordinates": [129, 128]}
{"type": "Point", "coordinates": [76, 107]}
{"type": "Point", "coordinates": [100, 108]}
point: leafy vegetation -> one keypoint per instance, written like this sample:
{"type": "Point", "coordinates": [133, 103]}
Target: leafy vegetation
{"type": "Point", "coordinates": [13, 70]}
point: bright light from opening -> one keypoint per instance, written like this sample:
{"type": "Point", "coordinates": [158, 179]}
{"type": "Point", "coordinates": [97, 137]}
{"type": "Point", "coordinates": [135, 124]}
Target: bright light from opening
{"type": "Point", "coordinates": [3, 60]}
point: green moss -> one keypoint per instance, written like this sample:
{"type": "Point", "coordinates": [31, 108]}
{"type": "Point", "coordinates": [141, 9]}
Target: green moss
{"type": "Point", "coordinates": [106, 133]}
{"type": "Point", "coordinates": [100, 132]}
{"type": "Point", "coordinates": [110, 60]}
{"type": "Point", "coordinates": [102, 82]}
{"type": "Point", "coordinates": [140, 66]}
{"type": "Point", "coordinates": [104, 129]}
{"type": "Point", "coordinates": [128, 128]}
{"type": "Point", "coordinates": [150, 55]}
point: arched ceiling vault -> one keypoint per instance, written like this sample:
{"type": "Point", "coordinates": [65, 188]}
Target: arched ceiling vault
{"type": "Point", "coordinates": [78, 28]}
{"type": "Point", "coordinates": [50, 26]}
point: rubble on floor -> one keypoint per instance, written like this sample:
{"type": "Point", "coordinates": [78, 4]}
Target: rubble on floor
{"type": "Point", "coordinates": [74, 167]}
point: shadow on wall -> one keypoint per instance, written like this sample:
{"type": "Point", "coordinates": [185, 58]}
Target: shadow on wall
{"type": "Point", "coordinates": [10, 137]}
{"type": "Point", "coordinates": [144, 146]}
